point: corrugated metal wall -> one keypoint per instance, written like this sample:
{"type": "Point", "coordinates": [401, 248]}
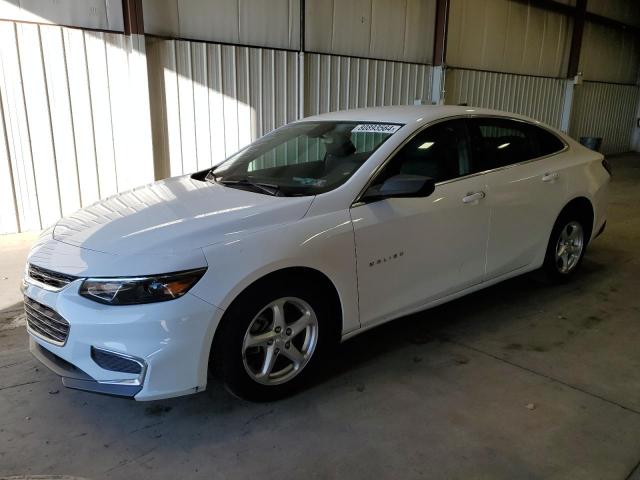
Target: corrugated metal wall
{"type": "Point", "coordinates": [538, 97]}
{"type": "Point", "coordinates": [508, 36]}
{"type": "Point", "coordinates": [530, 45]}
{"type": "Point", "coordinates": [609, 55]}
{"type": "Point", "coordinates": [267, 23]}
{"type": "Point", "coordinates": [622, 10]}
{"type": "Point", "coordinates": [337, 83]}
{"type": "Point", "coordinates": [386, 29]}
{"type": "Point", "coordinates": [77, 106]}
{"type": "Point", "coordinates": [209, 100]}
{"type": "Point", "coordinates": [75, 112]}
{"type": "Point", "coordinates": [401, 30]}
{"type": "Point", "coordinates": [605, 110]}
{"type": "Point", "coordinates": [98, 14]}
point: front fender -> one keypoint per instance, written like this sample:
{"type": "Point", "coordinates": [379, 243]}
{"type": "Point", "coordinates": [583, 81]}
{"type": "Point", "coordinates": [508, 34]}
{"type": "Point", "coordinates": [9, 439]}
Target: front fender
{"type": "Point", "coordinates": [324, 243]}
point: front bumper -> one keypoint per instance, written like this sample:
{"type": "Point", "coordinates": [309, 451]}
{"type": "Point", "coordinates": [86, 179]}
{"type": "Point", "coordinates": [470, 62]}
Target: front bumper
{"type": "Point", "coordinates": [171, 340]}
{"type": "Point", "coordinates": [73, 377]}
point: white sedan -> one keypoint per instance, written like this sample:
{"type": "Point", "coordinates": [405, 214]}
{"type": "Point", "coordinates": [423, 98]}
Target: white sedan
{"type": "Point", "coordinates": [253, 270]}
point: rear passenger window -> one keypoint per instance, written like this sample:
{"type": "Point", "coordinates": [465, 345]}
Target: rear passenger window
{"type": "Point", "coordinates": [500, 142]}
{"type": "Point", "coordinates": [548, 142]}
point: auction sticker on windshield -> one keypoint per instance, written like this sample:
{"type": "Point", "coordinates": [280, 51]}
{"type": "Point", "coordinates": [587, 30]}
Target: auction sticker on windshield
{"type": "Point", "coordinates": [376, 128]}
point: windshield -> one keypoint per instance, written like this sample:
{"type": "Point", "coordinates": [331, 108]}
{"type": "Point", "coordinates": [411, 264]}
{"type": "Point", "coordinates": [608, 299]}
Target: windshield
{"type": "Point", "coordinates": [304, 158]}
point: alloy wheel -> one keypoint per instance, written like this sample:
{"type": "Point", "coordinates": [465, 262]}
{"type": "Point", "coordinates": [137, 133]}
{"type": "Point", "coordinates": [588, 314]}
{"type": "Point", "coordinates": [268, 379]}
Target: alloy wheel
{"type": "Point", "coordinates": [569, 247]}
{"type": "Point", "coordinates": [280, 341]}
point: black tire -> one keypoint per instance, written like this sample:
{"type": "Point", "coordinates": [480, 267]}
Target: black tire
{"type": "Point", "coordinates": [553, 267]}
{"type": "Point", "coordinates": [228, 358]}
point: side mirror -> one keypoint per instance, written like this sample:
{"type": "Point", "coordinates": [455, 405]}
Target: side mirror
{"type": "Point", "coordinates": [401, 186]}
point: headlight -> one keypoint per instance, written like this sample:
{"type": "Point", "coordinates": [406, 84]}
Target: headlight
{"type": "Point", "coordinates": [136, 290]}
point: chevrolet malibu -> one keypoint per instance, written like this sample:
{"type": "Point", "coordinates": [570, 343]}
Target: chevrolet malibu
{"type": "Point", "coordinates": [255, 269]}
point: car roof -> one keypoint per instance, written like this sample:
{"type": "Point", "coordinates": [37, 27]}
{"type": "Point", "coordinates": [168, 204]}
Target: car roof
{"type": "Point", "coordinates": [412, 114]}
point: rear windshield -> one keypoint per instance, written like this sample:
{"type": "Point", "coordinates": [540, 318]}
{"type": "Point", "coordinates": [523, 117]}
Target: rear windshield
{"type": "Point", "coordinates": [303, 158]}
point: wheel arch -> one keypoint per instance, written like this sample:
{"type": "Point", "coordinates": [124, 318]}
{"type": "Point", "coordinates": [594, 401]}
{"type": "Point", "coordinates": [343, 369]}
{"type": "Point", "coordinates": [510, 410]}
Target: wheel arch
{"type": "Point", "coordinates": [299, 273]}
{"type": "Point", "coordinates": [583, 207]}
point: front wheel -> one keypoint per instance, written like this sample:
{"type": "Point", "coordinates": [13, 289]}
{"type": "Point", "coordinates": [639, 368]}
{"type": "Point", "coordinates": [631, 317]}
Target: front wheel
{"type": "Point", "coordinates": [271, 341]}
{"type": "Point", "coordinates": [566, 247]}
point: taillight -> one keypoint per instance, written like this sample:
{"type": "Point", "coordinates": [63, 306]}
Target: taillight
{"type": "Point", "coordinates": [607, 166]}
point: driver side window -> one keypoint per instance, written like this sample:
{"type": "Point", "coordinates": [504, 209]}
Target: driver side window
{"type": "Point", "coordinates": [441, 152]}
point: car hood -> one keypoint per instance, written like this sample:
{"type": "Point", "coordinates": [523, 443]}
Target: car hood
{"type": "Point", "coordinates": [175, 215]}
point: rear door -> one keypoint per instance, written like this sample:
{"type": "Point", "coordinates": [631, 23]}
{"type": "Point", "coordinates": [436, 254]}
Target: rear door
{"type": "Point", "coordinates": [526, 189]}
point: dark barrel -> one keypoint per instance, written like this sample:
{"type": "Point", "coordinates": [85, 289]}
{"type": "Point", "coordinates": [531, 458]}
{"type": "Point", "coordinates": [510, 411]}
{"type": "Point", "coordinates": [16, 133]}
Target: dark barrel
{"type": "Point", "coordinates": [594, 143]}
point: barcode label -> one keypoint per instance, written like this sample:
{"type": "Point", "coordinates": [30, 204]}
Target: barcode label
{"type": "Point", "coordinates": [376, 128]}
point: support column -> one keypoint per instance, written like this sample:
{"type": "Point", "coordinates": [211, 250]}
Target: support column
{"type": "Point", "coordinates": [635, 136]}
{"type": "Point", "coordinates": [567, 105]}
{"type": "Point", "coordinates": [132, 14]}
{"type": "Point", "coordinates": [573, 75]}
{"type": "Point", "coordinates": [143, 127]}
{"type": "Point", "coordinates": [440, 52]}
{"type": "Point", "coordinates": [437, 85]}
{"type": "Point", "coordinates": [576, 38]}
{"type": "Point", "coordinates": [302, 83]}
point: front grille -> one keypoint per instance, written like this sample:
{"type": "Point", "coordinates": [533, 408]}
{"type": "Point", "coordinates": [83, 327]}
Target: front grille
{"type": "Point", "coordinates": [46, 323]}
{"type": "Point", "coordinates": [49, 278]}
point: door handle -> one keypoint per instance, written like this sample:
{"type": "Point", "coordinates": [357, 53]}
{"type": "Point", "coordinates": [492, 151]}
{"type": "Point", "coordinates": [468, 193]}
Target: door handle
{"type": "Point", "coordinates": [550, 177]}
{"type": "Point", "coordinates": [472, 197]}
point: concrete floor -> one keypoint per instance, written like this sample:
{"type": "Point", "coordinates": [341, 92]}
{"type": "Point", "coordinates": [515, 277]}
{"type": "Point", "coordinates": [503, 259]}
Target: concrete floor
{"type": "Point", "coordinates": [522, 380]}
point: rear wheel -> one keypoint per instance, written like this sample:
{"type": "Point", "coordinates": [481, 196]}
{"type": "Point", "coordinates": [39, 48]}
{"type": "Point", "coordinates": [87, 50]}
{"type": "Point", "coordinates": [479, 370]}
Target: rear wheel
{"type": "Point", "coordinates": [566, 247]}
{"type": "Point", "coordinates": [272, 340]}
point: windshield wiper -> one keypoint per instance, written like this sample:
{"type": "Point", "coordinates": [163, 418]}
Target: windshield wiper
{"type": "Point", "coordinates": [267, 188]}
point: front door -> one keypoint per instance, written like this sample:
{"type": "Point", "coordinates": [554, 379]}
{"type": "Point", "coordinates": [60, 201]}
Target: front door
{"type": "Point", "coordinates": [411, 251]}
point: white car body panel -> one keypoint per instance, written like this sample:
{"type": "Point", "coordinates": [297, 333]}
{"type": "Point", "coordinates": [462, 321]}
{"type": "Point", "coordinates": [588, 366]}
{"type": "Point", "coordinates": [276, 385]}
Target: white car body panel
{"type": "Point", "coordinates": [164, 334]}
{"type": "Point", "coordinates": [83, 262]}
{"type": "Point", "coordinates": [148, 220]}
{"type": "Point", "coordinates": [523, 210]}
{"type": "Point", "coordinates": [448, 248]}
{"type": "Point", "coordinates": [323, 243]}
{"type": "Point", "coordinates": [393, 238]}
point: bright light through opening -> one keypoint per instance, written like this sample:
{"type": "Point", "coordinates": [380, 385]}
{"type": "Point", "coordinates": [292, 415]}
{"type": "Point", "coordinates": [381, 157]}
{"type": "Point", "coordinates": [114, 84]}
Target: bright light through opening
{"type": "Point", "coordinates": [504, 145]}
{"type": "Point", "coordinates": [426, 145]}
